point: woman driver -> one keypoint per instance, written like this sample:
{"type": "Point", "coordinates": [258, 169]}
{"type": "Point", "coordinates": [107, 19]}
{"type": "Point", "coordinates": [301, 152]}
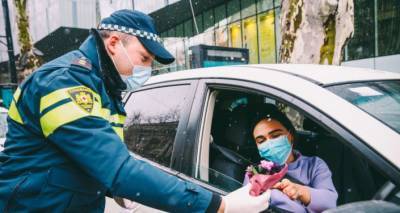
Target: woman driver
{"type": "Point", "coordinates": [274, 135]}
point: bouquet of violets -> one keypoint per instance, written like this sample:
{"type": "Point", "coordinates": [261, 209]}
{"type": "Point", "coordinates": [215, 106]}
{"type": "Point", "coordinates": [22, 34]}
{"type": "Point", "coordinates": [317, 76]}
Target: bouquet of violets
{"type": "Point", "coordinates": [264, 175]}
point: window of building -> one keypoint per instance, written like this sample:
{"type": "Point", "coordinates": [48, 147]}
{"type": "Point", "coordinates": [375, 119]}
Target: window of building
{"type": "Point", "coordinates": [278, 38]}
{"type": "Point", "coordinates": [248, 8]}
{"type": "Point", "coordinates": [74, 13]}
{"type": "Point", "coordinates": [171, 32]}
{"type": "Point", "coordinates": [199, 20]}
{"type": "Point", "coordinates": [250, 38]}
{"type": "Point", "coordinates": [189, 28]}
{"type": "Point", "coordinates": [209, 37]}
{"type": "Point", "coordinates": [235, 35]}
{"type": "Point", "coordinates": [179, 31]}
{"type": "Point", "coordinates": [220, 15]}
{"type": "Point", "coordinates": [221, 36]}
{"type": "Point", "coordinates": [208, 19]}
{"type": "Point", "coordinates": [164, 34]}
{"type": "Point", "coordinates": [233, 9]}
{"type": "Point", "coordinates": [388, 27]}
{"type": "Point", "coordinates": [362, 44]}
{"type": "Point", "coordinates": [266, 33]}
{"type": "Point", "coordinates": [152, 121]}
{"type": "Point", "coordinates": [264, 5]}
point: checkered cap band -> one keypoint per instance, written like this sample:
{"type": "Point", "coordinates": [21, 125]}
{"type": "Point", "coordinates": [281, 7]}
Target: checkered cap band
{"type": "Point", "coordinates": [140, 33]}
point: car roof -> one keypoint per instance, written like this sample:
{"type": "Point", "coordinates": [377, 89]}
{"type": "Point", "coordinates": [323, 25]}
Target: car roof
{"type": "Point", "coordinates": [319, 74]}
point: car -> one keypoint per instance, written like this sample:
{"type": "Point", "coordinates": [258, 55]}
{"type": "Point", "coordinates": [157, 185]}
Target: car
{"type": "Point", "coordinates": [3, 127]}
{"type": "Point", "coordinates": [193, 124]}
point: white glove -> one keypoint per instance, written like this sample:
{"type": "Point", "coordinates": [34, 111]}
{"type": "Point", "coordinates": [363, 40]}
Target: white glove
{"type": "Point", "coordinates": [240, 201]}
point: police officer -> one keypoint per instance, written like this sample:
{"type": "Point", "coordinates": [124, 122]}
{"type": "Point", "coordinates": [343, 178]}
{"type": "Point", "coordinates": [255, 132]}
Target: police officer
{"type": "Point", "coordinates": [64, 149]}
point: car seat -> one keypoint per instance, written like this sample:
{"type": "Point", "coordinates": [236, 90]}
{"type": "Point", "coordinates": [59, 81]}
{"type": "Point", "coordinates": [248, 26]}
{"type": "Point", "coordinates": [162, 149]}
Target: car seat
{"type": "Point", "coordinates": [351, 175]}
{"type": "Point", "coordinates": [235, 150]}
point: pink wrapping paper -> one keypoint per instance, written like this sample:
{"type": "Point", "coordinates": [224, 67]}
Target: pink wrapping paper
{"type": "Point", "coordinates": [261, 183]}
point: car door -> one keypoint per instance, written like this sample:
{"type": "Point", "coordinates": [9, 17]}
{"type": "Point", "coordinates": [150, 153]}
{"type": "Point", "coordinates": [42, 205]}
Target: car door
{"type": "Point", "coordinates": [311, 122]}
{"type": "Point", "coordinates": [155, 129]}
{"type": "Point", "coordinates": [160, 113]}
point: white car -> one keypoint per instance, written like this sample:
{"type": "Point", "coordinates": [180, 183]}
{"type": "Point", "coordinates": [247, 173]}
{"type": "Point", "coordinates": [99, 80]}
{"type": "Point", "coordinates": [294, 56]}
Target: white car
{"type": "Point", "coordinates": [193, 124]}
{"type": "Point", "coordinates": [3, 127]}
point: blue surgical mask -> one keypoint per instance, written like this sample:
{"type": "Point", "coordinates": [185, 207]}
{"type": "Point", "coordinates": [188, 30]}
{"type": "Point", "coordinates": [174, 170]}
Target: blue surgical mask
{"type": "Point", "coordinates": [140, 74]}
{"type": "Point", "coordinates": [276, 150]}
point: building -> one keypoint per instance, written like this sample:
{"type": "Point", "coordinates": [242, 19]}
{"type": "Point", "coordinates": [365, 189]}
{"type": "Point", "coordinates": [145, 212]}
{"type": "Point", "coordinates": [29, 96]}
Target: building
{"type": "Point", "coordinates": [254, 24]}
{"type": "Point", "coordinates": [4, 76]}
{"type": "Point", "coordinates": [57, 26]}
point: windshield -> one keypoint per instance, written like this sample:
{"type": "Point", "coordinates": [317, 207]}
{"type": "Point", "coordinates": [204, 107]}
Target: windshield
{"type": "Point", "coordinates": [380, 99]}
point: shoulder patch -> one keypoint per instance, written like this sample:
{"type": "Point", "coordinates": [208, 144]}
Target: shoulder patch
{"type": "Point", "coordinates": [83, 97]}
{"type": "Point", "coordinates": [82, 62]}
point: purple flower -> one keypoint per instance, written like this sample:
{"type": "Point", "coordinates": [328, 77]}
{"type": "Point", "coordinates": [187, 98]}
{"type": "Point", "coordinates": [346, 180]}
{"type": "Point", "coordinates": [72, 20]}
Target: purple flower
{"type": "Point", "coordinates": [267, 165]}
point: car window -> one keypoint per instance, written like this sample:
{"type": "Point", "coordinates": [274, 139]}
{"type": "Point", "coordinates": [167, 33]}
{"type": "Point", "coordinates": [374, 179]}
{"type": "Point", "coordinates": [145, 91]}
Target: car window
{"type": "Point", "coordinates": [353, 176]}
{"type": "Point", "coordinates": [152, 121]}
{"type": "Point", "coordinates": [220, 180]}
{"type": "Point", "coordinates": [394, 196]}
{"type": "Point", "coordinates": [380, 99]}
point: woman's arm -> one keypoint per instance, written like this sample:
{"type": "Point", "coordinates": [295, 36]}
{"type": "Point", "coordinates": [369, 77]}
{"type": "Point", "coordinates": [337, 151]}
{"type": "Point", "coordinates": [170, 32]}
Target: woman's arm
{"type": "Point", "coordinates": [322, 191]}
{"type": "Point", "coordinates": [319, 195]}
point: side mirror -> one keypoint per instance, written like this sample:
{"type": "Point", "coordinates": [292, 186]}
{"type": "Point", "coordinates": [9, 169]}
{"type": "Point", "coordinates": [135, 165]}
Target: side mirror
{"type": "Point", "coordinates": [369, 206]}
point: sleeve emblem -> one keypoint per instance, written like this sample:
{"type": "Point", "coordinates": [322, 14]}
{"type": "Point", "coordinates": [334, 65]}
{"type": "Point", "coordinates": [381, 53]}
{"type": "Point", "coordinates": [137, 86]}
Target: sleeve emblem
{"type": "Point", "coordinates": [83, 97]}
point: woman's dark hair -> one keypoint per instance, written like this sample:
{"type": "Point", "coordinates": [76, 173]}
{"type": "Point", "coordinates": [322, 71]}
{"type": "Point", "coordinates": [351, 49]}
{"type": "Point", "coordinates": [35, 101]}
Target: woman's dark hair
{"type": "Point", "coordinates": [270, 111]}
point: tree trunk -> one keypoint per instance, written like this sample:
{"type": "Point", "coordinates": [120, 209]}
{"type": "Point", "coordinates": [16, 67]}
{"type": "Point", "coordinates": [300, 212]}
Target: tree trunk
{"type": "Point", "coordinates": [28, 61]}
{"type": "Point", "coordinates": [315, 31]}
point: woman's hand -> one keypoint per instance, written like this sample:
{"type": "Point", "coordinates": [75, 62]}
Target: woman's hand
{"type": "Point", "coordinates": [294, 191]}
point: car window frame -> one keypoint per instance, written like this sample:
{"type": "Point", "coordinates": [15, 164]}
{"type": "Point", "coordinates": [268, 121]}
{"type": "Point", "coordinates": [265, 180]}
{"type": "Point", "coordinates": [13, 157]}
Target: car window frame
{"type": "Point", "coordinates": [337, 130]}
{"type": "Point", "coordinates": [179, 174]}
{"type": "Point", "coordinates": [177, 150]}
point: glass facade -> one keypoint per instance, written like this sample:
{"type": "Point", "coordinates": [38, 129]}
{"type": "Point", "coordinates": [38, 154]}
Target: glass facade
{"type": "Point", "coordinates": [250, 40]}
{"type": "Point", "coordinates": [388, 27]}
{"type": "Point", "coordinates": [376, 29]}
{"type": "Point", "coordinates": [254, 24]}
{"type": "Point", "coordinates": [362, 44]}
{"type": "Point", "coordinates": [235, 35]}
{"type": "Point", "coordinates": [266, 33]}
{"type": "Point", "coordinates": [238, 23]}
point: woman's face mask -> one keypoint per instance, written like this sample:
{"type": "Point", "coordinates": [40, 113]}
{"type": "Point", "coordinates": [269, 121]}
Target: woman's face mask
{"type": "Point", "coordinates": [276, 150]}
{"type": "Point", "coordinates": [273, 141]}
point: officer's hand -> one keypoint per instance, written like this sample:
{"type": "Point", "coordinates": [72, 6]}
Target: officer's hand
{"type": "Point", "coordinates": [241, 200]}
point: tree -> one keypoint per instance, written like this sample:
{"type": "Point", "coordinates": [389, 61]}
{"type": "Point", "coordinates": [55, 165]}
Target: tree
{"type": "Point", "coordinates": [315, 31]}
{"type": "Point", "coordinates": [28, 60]}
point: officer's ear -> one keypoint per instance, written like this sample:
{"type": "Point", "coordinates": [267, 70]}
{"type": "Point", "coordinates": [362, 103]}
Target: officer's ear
{"type": "Point", "coordinates": [112, 44]}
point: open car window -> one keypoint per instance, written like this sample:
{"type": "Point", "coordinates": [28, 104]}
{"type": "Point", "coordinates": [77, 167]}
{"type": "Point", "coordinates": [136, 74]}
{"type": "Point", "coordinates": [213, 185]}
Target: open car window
{"type": "Point", "coordinates": [355, 179]}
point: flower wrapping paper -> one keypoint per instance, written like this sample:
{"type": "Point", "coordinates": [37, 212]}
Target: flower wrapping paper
{"type": "Point", "coordinates": [262, 182]}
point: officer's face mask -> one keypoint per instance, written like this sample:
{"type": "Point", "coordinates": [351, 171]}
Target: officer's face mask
{"type": "Point", "coordinates": [276, 150]}
{"type": "Point", "coordinates": [140, 74]}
